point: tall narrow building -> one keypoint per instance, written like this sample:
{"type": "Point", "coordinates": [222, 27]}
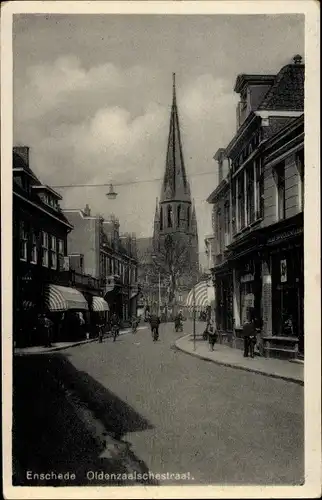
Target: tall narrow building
{"type": "Point", "coordinates": [175, 213]}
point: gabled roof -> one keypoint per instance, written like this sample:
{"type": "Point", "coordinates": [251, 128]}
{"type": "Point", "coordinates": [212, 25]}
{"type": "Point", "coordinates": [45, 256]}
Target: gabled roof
{"type": "Point", "coordinates": [287, 92]}
{"type": "Point", "coordinates": [175, 182]}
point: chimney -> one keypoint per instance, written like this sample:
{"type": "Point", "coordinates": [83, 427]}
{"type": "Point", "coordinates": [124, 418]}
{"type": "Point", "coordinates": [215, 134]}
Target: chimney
{"type": "Point", "coordinates": [87, 210]}
{"type": "Point", "coordinates": [23, 152]}
{"type": "Point", "coordinates": [297, 59]}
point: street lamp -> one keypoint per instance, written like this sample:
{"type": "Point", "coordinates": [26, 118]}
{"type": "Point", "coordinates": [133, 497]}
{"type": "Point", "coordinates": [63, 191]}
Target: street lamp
{"type": "Point", "coordinates": [111, 193]}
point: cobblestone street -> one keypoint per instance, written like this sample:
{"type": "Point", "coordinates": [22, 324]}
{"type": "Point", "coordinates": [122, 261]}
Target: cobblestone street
{"type": "Point", "coordinates": [174, 412]}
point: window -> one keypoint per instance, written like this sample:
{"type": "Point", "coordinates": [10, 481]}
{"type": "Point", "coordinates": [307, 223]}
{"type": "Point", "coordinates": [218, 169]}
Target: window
{"type": "Point", "coordinates": [61, 254]}
{"type": "Point", "coordinates": [53, 252]}
{"type": "Point", "coordinates": [44, 247]}
{"type": "Point", "coordinates": [161, 218]}
{"type": "Point", "coordinates": [300, 166]}
{"type": "Point", "coordinates": [34, 249]}
{"type": "Point", "coordinates": [188, 216]}
{"type": "Point", "coordinates": [81, 263]}
{"type": "Point", "coordinates": [259, 189]}
{"type": "Point", "coordinates": [233, 208]}
{"type": "Point", "coordinates": [226, 223]}
{"type": "Point", "coordinates": [218, 231]}
{"type": "Point", "coordinates": [178, 215]}
{"type": "Point", "coordinates": [23, 241]}
{"type": "Point", "coordinates": [280, 185]}
{"type": "Point", "coordinates": [241, 202]}
{"type": "Point", "coordinates": [250, 202]}
{"type": "Point", "coordinates": [169, 216]}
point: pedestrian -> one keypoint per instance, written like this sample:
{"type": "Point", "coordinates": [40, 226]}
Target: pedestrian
{"type": "Point", "coordinates": [212, 334]}
{"type": "Point", "coordinates": [154, 323]}
{"type": "Point", "coordinates": [249, 333]}
{"type": "Point", "coordinates": [45, 325]}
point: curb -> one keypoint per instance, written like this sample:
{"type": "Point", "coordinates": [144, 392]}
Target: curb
{"type": "Point", "coordinates": [244, 368]}
{"type": "Point", "coordinates": [60, 348]}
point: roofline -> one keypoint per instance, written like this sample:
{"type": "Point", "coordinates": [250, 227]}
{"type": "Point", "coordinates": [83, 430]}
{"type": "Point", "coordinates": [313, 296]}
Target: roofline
{"type": "Point", "coordinates": [288, 128]}
{"type": "Point", "coordinates": [219, 153]}
{"type": "Point", "coordinates": [48, 188]}
{"type": "Point", "coordinates": [211, 198]}
{"type": "Point", "coordinates": [240, 132]}
{"type": "Point", "coordinates": [80, 212]}
{"type": "Point", "coordinates": [43, 210]}
{"type": "Point", "coordinates": [243, 78]}
{"type": "Point", "coordinates": [27, 171]}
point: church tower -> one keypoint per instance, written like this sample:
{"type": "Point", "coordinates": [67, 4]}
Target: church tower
{"type": "Point", "coordinates": [175, 213]}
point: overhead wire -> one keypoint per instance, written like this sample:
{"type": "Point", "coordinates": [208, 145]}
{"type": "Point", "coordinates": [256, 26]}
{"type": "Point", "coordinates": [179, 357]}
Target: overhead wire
{"type": "Point", "coordinates": [128, 183]}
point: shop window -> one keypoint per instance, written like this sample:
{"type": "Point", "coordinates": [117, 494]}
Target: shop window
{"type": "Point", "coordinates": [300, 166]}
{"type": "Point", "coordinates": [250, 201]}
{"type": "Point", "coordinates": [53, 252]}
{"type": "Point", "coordinates": [44, 248]}
{"type": "Point", "coordinates": [279, 175]}
{"type": "Point", "coordinates": [246, 299]}
{"type": "Point", "coordinates": [169, 216]}
{"type": "Point", "coordinates": [23, 241]}
{"type": "Point", "coordinates": [34, 249]}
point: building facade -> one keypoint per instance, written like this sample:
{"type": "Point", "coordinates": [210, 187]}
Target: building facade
{"type": "Point", "coordinates": [257, 213]}
{"type": "Point", "coordinates": [96, 249]}
{"type": "Point", "coordinates": [40, 232]}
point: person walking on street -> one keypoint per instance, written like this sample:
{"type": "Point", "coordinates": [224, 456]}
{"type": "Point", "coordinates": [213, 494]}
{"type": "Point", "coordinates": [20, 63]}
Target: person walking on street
{"type": "Point", "coordinates": [249, 334]}
{"type": "Point", "coordinates": [45, 328]}
{"type": "Point", "coordinates": [154, 323]}
{"type": "Point", "coordinates": [115, 326]}
{"type": "Point", "coordinates": [212, 334]}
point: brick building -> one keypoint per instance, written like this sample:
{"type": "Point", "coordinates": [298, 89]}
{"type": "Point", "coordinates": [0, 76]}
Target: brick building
{"type": "Point", "coordinates": [96, 248]}
{"type": "Point", "coordinates": [40, 232]}
{"type": "Point", "coordinates": [258, 213]}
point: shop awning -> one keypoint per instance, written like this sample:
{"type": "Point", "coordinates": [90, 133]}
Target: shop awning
{"type": "Point", "coordinates": [202, 295]}
{"type": "Point", "coordinates": [62, 298]}
{"type": "Point", "coordinates": [99, 304]}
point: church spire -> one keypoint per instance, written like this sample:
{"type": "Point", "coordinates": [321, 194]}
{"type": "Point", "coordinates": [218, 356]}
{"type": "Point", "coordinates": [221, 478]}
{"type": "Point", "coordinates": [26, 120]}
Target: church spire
{"type": "Point", "coordinates": [175, 184]}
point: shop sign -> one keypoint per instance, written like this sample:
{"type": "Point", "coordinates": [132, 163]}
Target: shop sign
{"type": "Point", "coordinates": [283, 267]}
{"type": "Point", "coordinates": [246, 278]}
{"type": "Point", "coordinates": [285, 235]}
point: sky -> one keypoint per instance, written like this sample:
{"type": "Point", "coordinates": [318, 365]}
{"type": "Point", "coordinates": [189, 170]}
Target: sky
{"type": "Point", "coordinates": [92, 99]}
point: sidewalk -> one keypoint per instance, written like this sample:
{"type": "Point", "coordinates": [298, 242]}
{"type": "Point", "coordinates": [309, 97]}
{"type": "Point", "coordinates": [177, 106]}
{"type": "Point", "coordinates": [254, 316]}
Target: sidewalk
{"type": "Point", "coordinates": [225, 355]}
{"type": "Point", "coordinates": [58, 346]}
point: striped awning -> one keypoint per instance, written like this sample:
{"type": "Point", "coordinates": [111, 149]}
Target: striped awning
{"type": "Point", "coordinates": [99, 304]}
{"type": "Point", "coordinates": [62, 298]}
{"type": "Point", "coordinates": [204, 295]}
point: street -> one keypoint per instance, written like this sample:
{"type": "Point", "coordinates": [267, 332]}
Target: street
{"type": "Point", "coordinates": [180, 414]}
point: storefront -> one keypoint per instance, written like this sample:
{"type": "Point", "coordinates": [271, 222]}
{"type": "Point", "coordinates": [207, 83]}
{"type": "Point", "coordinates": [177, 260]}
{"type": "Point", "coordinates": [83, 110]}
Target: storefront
{"type": "Point", "coordinates": [250, 285]}
{"type": "Point", "coordinates": [224, 301]}
{"type": "Point", "coordinates": [286, 253]}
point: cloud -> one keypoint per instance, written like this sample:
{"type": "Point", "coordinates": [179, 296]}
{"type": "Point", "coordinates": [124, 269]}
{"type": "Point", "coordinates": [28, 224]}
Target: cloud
{"type": "Point", "coordinates": [84, 126]}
